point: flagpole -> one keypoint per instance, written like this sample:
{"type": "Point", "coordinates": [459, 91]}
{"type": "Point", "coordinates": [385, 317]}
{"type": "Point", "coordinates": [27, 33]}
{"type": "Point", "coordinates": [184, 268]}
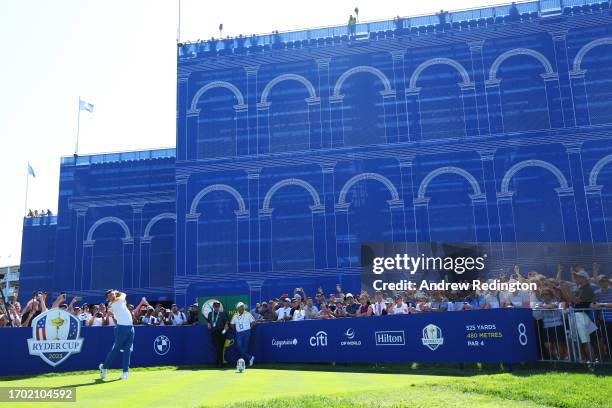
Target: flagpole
{"type": "Point", "coordinates": [178, 31]}
{"type": "Point", "coordinates": [27, 187]}
{"type": "Point", "coordinates": [76, 148]}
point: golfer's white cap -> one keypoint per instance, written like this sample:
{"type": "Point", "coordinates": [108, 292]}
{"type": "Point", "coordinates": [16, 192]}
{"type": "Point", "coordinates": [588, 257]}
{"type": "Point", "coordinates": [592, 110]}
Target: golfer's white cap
{"type": "Point", "coordinates": [239, 304]}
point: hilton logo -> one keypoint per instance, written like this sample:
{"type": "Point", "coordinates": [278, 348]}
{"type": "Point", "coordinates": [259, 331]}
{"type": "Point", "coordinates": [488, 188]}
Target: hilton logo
{"type": "Point", "coordinates": [390, 338]}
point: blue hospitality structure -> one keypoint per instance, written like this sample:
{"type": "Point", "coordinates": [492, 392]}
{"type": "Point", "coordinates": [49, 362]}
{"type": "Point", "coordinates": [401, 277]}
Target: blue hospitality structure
{"type": "Point", "coordinates": [484, 125]}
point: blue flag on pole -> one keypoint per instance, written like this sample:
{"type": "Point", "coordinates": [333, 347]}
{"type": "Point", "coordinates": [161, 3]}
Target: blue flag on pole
{"type": "Point", "coordinates": [31, 171]}
{"type": "Point", "coordinates": [85, 106]}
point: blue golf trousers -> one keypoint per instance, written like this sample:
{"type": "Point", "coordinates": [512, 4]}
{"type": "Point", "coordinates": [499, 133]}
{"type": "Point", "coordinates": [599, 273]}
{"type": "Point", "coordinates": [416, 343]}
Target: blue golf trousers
{"type": "Point", "coordinates": [124, 339]}
{"type": "Point", "coordinates": [242, 342]}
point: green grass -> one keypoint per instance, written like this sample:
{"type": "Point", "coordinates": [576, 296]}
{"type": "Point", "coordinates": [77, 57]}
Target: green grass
{"type": "Point", "coordinates": [329, 386]}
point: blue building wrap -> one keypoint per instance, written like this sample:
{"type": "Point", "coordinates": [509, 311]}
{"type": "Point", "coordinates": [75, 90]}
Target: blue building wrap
{"type": "Point", "coordinates": [486, 125]}
{"type": "Point", "coordinates": [115, 228]}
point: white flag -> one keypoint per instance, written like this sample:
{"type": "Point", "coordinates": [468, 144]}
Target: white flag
{"type": "Point", "coordinates": [85, 106]}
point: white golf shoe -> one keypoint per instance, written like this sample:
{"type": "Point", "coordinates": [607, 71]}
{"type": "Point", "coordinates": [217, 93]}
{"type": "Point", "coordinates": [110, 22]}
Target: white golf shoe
{"type": "Point", "coordinates": [102, 371]}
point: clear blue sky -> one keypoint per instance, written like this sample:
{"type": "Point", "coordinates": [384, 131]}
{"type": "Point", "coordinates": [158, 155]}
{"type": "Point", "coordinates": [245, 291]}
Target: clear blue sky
{"type": "Point", "coordinates": [120, 56]}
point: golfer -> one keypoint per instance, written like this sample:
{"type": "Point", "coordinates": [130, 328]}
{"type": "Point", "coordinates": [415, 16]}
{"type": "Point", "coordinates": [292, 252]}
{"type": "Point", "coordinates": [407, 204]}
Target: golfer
{"type": "Point", "coordinates": [242, 322]}
{"type": "Point", "coordinates": [124, 332]}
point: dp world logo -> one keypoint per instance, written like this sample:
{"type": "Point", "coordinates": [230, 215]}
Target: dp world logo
{"type": "Point", "coordinates": [350, 333]}
{"type": "Point", "coordinates": [161, 345]}
{"type": "Point", "coordinates": [319, 339]}
{"type": "Point", "coordinates": [432, 337]}
{"type": "Point", "coordinates": [55, 336]}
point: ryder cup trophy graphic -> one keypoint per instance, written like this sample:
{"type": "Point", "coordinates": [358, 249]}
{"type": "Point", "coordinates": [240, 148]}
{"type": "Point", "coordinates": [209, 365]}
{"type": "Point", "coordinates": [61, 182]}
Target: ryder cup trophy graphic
{"type": "Point", "coordinates": [57, 323]}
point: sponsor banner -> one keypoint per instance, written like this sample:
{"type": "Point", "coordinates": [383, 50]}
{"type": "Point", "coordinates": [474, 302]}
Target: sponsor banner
{"type": "Point", "coordinates": [495, 335]}
{"type": "Point", "coordinates": [85, 350]}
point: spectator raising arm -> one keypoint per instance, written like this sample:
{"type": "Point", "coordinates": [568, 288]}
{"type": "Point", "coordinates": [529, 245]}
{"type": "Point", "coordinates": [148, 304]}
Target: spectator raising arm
{"type": "Point", "coordinates": [560, 269]}
{"type": "Point", "coordinates": [58, 301]}
{"type": "Point", "coordinates": [143, 302]}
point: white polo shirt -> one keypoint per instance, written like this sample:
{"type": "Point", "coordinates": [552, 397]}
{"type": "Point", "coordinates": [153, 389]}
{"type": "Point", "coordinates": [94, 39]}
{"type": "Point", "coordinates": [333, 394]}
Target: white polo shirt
{"type": "Point", "coordinates": [403, 308]}
{"type": "Point", "coordinates": [243, 321]}
{"type": "Point", "coordinates": [282, 312]}
{"type": "Point", "coordinates": [299, 315]}
{"type": "Point", "coordinates": [122, 315]}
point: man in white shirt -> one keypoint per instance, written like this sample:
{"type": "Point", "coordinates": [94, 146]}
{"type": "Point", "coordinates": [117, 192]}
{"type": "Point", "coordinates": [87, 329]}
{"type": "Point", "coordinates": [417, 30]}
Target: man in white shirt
{"type": "Point", "coordinates": [84, 315]}
{"type": "Point", "coordinates": [242, 322]}
{"type": "Point", "coordinates": [124, 332]}
{"type": "Point", "coordinates": [284, 312]}
{"type": "Point", "coordinates": [379, 306]}
{"type": "Point", "coordinates": [298, 311]}
{"type": "Point", "coordinates": [177, 318]}
{"type": "Point", "coordinates": [399, 307]}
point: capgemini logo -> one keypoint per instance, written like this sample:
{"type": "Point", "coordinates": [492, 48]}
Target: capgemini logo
{"type": "Point", "coordinates": [319, 339]}
{"type": "Point", "coordinates": [285, 342]}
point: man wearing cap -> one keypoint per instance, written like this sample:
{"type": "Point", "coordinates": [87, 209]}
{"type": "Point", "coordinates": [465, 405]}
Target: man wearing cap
{"type": "Point", "coordinates": [84, 315]}
{"type": "Point", "coordinates": [582, 299]}
{"type": "Point", "coordinates": [351, 305]}
{"type": "Point", "coordinates": [217, 324]}
{"type": "Point", "coordinates": [603, 301]}
{"type": "Point", "coordinates": [399, 307]}
{"type": "Point", "coordinates": [242, 322]}
{"type": "Point", "coordinates": [124, 332]}
{"type": "Point", "coordinates": [284, 312]}
{"type": "Point", "coordinates": [192, 314]}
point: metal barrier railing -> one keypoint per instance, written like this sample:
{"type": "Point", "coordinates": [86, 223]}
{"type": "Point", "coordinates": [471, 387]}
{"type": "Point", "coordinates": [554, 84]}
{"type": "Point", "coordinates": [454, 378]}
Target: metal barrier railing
{"type": "Point", "coordinates": [574, 335]}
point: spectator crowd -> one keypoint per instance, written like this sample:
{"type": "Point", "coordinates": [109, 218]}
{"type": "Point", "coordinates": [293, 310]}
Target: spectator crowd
{"type": "Point", "coordinates": [12, 314]}
{"type": "Point", "coordinates": [37, 213]}
{"type": "Point", "coordinates": [550, 303]}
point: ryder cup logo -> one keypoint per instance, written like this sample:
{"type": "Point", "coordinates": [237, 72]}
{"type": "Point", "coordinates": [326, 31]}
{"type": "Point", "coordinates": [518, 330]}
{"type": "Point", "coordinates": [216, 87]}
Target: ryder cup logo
{"type": "Point", "coordinates": [432, 336]}
{"type": "Point", "coordinates": [319, 339]}
{"type": "Point", "coordinates": [161, 345]}
{"type": "Point", "coordinates": [55, 336]}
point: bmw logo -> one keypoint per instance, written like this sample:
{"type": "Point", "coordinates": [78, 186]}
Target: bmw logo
{"type": "Point", "coordinates": [161, 345]}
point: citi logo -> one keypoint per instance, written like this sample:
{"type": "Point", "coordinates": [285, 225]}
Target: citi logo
{"type": "Point", "coordinates": [390, 338]}
{"type": "Point", "coordinates": [350, 333]}
{"type": "Point", "coordinates": [319, 339]}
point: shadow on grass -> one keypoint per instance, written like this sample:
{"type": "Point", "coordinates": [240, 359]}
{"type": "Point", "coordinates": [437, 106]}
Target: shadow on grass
{"type": "Point", "coordinates": [97, 381]}
{"type": "Point", "coordinates": [442, 370]}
